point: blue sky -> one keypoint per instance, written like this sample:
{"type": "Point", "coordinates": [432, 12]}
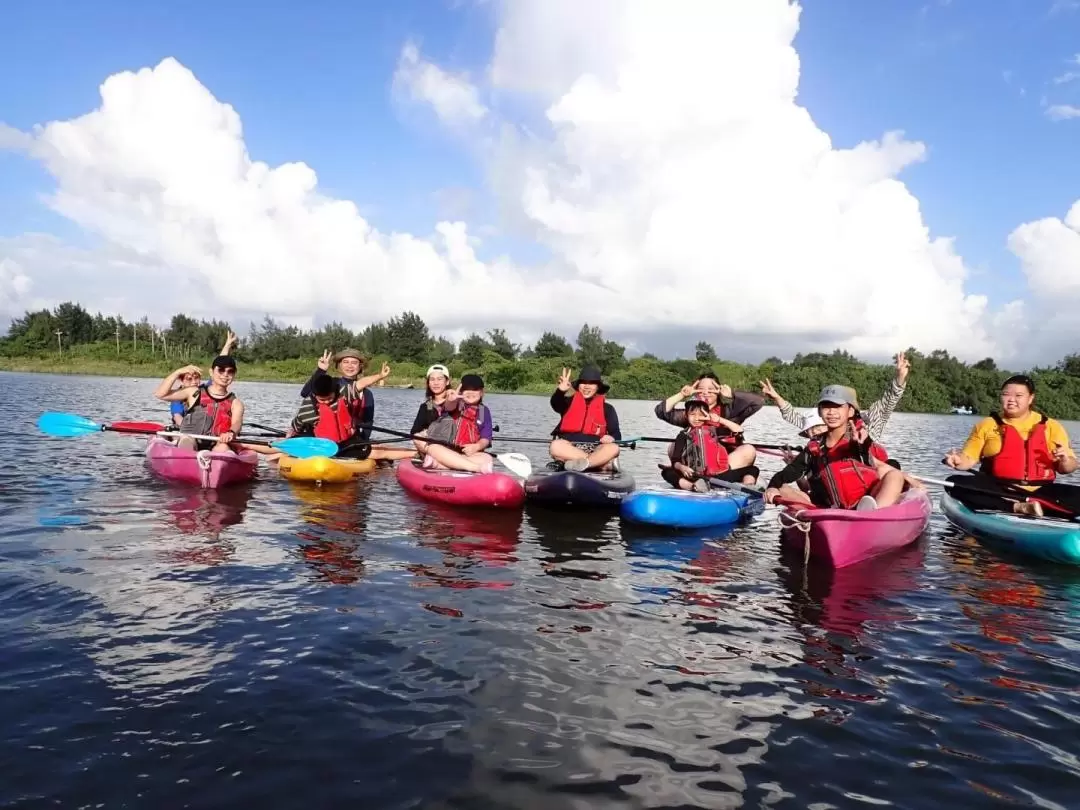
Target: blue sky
{"type": "Point", "coordinates": [969, 78]}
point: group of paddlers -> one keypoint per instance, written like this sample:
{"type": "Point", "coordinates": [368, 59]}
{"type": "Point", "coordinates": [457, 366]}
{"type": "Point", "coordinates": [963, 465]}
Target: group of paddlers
{"type": "Point", "coordinates": [1019, 451]}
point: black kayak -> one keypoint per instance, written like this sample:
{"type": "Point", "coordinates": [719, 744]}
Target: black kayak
{"type": "Point", "coordinates": [568, 489]}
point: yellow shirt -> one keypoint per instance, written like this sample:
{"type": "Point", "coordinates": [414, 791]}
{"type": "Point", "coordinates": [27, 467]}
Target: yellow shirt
{"type": "Point", "coordinates": [985, 438]}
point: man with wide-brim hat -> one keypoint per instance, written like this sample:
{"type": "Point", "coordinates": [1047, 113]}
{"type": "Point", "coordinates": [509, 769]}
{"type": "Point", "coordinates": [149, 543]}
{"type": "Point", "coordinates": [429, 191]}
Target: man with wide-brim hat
{"type": "Point", "coordinates": [587, 435]}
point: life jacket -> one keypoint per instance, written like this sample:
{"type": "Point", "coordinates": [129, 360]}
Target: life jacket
{"type": "Point", "coordinates": [1019, 460]}
{"type": "Point", "coordinates": [840, 473]}
{"type": "Point", "coordinates": [724, 435]}
{"type": "Point", "coordinates": [333, 420]}
{"type": "Point", "coordinates": [208, 416]}
{"type": "Point", "coordinates": [704, 454]}
{"type": "Point", "coordinates": [460, 426]}
{"type": "Point", "coordinates": [584, 416]}
{"type": "Point", "coordinates": [361, 407]}
{"type": "Point", "coordinates": [876, 450]}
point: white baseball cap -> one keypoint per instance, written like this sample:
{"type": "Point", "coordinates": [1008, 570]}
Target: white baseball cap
{"type": "Point", "coordinates": [438, 368]}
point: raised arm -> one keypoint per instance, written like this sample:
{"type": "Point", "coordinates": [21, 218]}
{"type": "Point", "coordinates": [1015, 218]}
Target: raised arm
{"type": "Point", "coordinates": [787, 410]}
{"type": "Point", "coordinates": [165, 391]}
{"type": "Point", "coordinates": [370, 379]}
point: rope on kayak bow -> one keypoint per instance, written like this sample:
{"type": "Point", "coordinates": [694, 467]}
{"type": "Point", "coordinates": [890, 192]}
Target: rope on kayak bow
{"type": "Point", "coordinates": [802, 525]}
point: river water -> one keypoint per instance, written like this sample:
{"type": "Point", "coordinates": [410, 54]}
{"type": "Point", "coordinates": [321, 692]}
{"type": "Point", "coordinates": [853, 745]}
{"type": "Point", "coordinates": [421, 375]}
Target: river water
{"type": "Point", "coordinates": [278, 645]}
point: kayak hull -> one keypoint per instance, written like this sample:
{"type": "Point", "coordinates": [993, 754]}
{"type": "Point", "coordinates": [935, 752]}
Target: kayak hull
{"type": "Point", "coordinates": [1054, 540]}
{"type": "Point", "coordinates": [203, 468]}
{"type": "Point", "coordinates": [679, 509]}
{"type": "Point", "coordinates": [494, 490]}
{"type": "Point", "coordinates": [323, 470]}
{"type": "Point", "coordinates": [842, 537]}
{"type": "Point", "coordinates": [569, 489]}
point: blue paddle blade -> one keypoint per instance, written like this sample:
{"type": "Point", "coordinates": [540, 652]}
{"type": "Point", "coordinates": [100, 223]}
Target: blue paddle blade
{"type": "Point", "coordinates": [306, 447]}
{"type": "Point", "coordinates": [66, 424]}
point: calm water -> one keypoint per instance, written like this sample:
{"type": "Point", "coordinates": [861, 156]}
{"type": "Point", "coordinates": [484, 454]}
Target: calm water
{"type": "Point", "coordinates": [278, 645]}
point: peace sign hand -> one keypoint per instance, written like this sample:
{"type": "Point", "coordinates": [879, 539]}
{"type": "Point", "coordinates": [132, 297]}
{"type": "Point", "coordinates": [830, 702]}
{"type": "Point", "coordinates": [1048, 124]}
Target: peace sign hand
{"type": "Point", "coordinates": [324, 361]}
{"type": "Point", "coordinates": [384, 372]}
{"type": "Point", "coordinates": [564, 380]}
{"type": "Point", "coordinates": [903, 366]}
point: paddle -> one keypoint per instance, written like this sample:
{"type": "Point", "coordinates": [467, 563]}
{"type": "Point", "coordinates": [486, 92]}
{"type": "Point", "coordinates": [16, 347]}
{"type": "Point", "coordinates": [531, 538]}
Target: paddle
{"type": "Point", "coordinates": [275, 431]}
{"type": "Point", "coordinates": [67, 425]}
{"type": "Point", "coordinates": [526, 440]}
{"type": "Point", "coordinates": [1002, 490]}
{"type": "Point", "coordinates": [517, 463]}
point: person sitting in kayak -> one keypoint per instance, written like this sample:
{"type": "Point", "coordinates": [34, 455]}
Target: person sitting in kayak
{"type": "Point", "coordinates": [193, 378]}
{"type": "Point", "coordinates": [330, 413]}
{"type": "Point", "coordinates": [845, 469]}
{"type": "Point", "coordinates": [876, 414]}
{"type": "Point", "coordinates": [1020, 450]}
{"type": "Point", "coordinates": [586, 436]}
{"type": "Point", "coordinates": [210, 410]}
{"type": "Point", "coordinates": [700, 455]}
{"type": "Point", "coordinates": [465, 421]}
{"type": "Point", "coordinates": [727, 411]}
{"type": "Point", "coordinates": [436, 391]}
{"type": "Point", "coordinates": [361, 402]}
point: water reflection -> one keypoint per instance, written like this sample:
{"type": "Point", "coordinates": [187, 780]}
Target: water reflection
{"type": "Point", "coordinates": [472, 546]}
{"type": "Point", "coordinates": [336, 521]}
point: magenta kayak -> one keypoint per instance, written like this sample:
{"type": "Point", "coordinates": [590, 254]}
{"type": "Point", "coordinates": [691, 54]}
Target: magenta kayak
{"type": "Point", "coordinates": [203, 468]}
{"type": "Point", "coordinates": [841, 537]}
{"type": "Point", "coordinates": [493, 489]}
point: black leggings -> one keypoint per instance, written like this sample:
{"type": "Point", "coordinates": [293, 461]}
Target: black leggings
{"type": "Point", "coordinates": [673, 476]}
{"type": "Point", "coordinates": [987, 495]}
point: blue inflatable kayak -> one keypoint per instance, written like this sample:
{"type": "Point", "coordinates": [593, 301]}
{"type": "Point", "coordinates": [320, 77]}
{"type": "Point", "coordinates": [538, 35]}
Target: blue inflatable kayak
{"type": "Point", "coordinates": [1048, 538]}
{"type": "Point", "coordinates": [679, 509]}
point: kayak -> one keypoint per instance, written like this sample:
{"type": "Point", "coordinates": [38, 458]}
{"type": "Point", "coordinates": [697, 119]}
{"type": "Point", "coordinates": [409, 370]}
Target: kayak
{"type": "Point", "coordinates": [1047, 538]}
{"type": "Point", "coordinates": [494, 489]}
{"type": "Point", "coordinates": [841, 537]}
{"type": "Point", "coordinates": [323, 470]}
{"type": "Point", "coordinates": [582, 490]}
{"type": "Point", "coordinates": [203, 468]}
{"type": "Point", "coordinates": [680, 509]}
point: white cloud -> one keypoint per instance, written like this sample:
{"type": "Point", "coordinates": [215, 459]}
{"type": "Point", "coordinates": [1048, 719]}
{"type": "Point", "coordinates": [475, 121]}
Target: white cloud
{"type": "Point", "coordinates": [1062, 112]}
{"type": "Point", "coordinates": [676, 183]}
{"type": "Point", "coordinates": [454, 98]}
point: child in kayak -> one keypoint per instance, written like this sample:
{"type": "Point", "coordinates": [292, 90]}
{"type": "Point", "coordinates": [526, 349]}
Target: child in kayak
{"type": "Point", "coordinates": [843, 467]}
{"type": "Point", "coordinates": [1020, 452]}
{"type": "Point", "coordinates": [727, 411]}
{"type": "Point", "coordinates": [361, 402]}
{"type": "Point", "coordinates": [464, 420]}
{"type": "Point", "coordinates": [700, 455]}
{"type": "Point", "coordinates": [210, 410]}
{"type": "Point", "coordinates": [586, 436]}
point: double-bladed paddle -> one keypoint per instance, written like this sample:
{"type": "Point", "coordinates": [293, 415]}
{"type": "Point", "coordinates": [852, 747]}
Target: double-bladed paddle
{"type": "Point", "coordinates": [999, 488]}
{"type": "Point", "coordinates": [517, 463]}
{"type": "Point", "coordinates": [527, 440]}
{"type": "Point", "coordinates": [66, 425]}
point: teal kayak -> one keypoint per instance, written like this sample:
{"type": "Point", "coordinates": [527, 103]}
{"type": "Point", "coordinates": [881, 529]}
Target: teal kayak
{"type": "Point", "coordinates": [1048, 538]}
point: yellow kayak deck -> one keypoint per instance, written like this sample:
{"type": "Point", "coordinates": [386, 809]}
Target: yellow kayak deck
{"type": "Point", "coordinates": [323, 470]}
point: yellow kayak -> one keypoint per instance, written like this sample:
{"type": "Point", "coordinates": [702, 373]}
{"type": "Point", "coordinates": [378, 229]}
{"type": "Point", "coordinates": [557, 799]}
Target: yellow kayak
{"type": "Point", "coordinates": [323, 470]}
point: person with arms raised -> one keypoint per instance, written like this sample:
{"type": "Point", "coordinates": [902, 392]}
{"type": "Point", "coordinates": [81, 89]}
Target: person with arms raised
{"type": "Point", "coordinates": [586, 436]}
{"type": "Point", "coordinates": [727, 411]}
{"type": "Point", "coordinates": [211, 410]}
{"type": "Point", "coordinates": [1020, 452]}
{"type": "Point", "coordinates": [193, 378]}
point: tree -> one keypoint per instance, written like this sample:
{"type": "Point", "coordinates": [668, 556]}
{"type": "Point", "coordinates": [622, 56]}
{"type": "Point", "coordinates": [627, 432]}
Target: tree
{"type": "Point", "coordinates": [375, 339]}
{"type": "Point", "coordinates": [590, 341]}
{"type": "Point", "coordinates": [704, 352]}
{"type": "Point", "coordinates": [408, 338]}
{"type": "Point", "coordinates": [442, 350]}
{"type": "Point", "coordinates": [471, 350]}
{"type": "Point", "coordinates": [988, 364]}
{"type": "Point", "coordinates": [551, 345]}
{"type": "Point", "coordinates": [1071, 365]}
{"type": "Point", "coordinates": [502, 345]}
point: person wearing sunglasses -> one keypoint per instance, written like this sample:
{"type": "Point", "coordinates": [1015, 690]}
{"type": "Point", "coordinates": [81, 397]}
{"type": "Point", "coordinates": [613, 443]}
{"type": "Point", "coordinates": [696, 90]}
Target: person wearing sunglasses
{"type": "Point", "coordinates": [209, 410]}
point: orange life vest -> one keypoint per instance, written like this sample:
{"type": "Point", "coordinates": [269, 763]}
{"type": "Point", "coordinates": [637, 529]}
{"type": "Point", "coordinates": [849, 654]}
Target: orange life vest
{"type": "Point", "coordinates": [585, 416]}
{"type": "Point", "coordinates": [466, 425]}
{"type": "Point", "coordinates": [704, 454]}
{"type": "Point", "coordinates": [334, 420]}
{"type": "Point", "coordinates": [1024, 461]}
{"type": "Point", "coordinates": [209, 414]}
{"type": "Point", "coordinates": [840, 472]}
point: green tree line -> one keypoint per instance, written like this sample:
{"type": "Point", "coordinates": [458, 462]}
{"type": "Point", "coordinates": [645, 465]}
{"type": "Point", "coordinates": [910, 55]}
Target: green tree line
{"type": "Point", "coordinates": [937, 382]}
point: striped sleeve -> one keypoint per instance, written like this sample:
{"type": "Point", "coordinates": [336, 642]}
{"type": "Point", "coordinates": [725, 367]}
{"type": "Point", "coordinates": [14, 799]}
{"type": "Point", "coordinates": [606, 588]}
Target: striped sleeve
{"type": "Point", "coordinates": [791, 415]}
{"type": "Point", "coordinates": [877, 415]}
{"type": "Point", "coordinates": [305, 419]}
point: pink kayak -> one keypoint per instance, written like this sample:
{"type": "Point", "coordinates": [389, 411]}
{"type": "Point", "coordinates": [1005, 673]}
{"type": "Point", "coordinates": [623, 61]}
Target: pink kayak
{"type": "Point", "coordinates": [494, 489]}
{"type": "Point", "coordinates": [841, 537]}
{"type": "Point", "coordinates": [203, 468]}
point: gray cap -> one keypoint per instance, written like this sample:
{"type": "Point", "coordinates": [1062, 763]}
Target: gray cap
{"type": "Point", "coordinates": [838, 395]}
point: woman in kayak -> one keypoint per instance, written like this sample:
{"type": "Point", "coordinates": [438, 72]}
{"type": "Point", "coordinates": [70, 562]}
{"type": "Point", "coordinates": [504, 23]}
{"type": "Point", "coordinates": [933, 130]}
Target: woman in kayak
{"type": "Point", "coordinates": [843, 466]}
{"type": "Point", "coordinates": [192, 379]}
{"type": "Point", "coordinates": [586, 436]}
{"type": "Point", "coordinates": [436, 392]}
{"type": "Point", "coordinates": [210, 410]}
{"type": "Point", "coordinates": [727, 411]}
{"type": "Point", "coordinates": [1020, 453]}
{"type": "Point", "coordinates": [876, 414]}
{"type": "Point", "coordinates": [465, 421]}
{"type": "Point", "coordinates": [361, 402]}
{"type": "Point", "coordinates": [700, 455]}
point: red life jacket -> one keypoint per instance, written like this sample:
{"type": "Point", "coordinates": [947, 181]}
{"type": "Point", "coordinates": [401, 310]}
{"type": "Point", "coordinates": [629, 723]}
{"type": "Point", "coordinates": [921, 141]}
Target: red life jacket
{"type": "Point", "coordinates": [722, 433]}
{"type": "Point", "coordinates": [876, 450]}
{"type": "Point", "coordinates": [333, 420]}
{"type": "Point", "coordinates": [1019, 460]}
{"type": "Point", "coordinates": [704, 454]}
{"type": "Point", "coordinates": [585, 417]}
{"type": "Point", "coordinates": [466, 425]}
{"type": "Point", "coordinates": [219, 411]}
{"type": "Point", "coordinates": [840, 472]}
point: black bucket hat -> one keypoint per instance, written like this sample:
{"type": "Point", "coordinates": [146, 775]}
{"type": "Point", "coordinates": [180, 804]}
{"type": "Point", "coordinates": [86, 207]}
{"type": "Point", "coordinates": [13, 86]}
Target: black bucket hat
{"type": "Point", "coordinates": [591, 374]}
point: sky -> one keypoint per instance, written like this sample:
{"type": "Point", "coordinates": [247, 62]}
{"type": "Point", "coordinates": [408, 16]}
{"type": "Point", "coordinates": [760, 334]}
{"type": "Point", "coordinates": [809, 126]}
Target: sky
{"type": "Point", "coordinates": [768, 176]}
